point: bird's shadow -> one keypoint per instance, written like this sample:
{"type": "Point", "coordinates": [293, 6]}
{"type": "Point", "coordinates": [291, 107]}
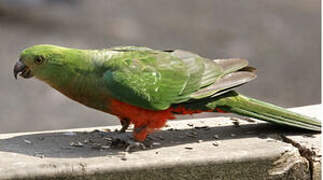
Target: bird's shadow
{"type": "Point", "coordinates": [96, 143]}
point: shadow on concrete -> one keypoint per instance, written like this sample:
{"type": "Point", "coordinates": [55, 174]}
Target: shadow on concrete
{"type": "Point", "coordinates": [93, 144]}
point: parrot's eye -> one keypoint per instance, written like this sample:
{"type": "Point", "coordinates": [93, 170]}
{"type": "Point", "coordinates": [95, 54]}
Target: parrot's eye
{"type": "Point", "coordinates": [39, 60]}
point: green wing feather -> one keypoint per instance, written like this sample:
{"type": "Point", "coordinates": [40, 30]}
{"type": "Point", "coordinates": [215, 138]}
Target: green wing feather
{"type": "Point", "coordinates": [155, 80]}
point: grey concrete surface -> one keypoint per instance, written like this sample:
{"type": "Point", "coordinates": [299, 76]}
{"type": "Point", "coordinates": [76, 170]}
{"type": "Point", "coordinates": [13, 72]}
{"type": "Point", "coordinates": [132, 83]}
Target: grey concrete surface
{"type": "Point", "coordinates": [209, 148]}
{"type": "Point", "coordinates": [280, 38]}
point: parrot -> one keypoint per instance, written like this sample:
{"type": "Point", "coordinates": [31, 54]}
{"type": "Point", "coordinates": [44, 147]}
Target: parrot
{"type": "Point", "coordinates": [147, 87]}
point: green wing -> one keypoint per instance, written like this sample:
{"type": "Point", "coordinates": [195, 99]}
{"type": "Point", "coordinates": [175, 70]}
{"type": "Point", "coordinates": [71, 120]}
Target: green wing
{"type": "Point", "coordinates": [154, 79]}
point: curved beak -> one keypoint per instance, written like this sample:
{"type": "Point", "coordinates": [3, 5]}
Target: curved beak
{"type": "Point", "coordinates": [21, 68]}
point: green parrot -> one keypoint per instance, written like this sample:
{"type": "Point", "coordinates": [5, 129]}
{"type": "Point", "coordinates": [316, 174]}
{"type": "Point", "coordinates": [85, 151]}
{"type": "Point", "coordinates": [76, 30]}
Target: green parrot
{"type": "Point", "coordinates": [147, 87]}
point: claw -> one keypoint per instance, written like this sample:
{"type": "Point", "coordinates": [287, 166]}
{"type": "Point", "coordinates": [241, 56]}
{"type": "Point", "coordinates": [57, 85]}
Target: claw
{"type": "Point", "coordinates": [123, 141]}
{"type": "Point", "coordinates": [134, 145]}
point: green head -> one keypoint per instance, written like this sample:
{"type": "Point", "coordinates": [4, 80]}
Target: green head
{"type": "Point", "coordinates": [47, 62]}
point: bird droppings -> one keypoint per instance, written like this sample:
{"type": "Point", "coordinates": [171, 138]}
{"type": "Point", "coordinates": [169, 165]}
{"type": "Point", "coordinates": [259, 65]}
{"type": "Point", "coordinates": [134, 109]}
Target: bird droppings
{"type": "Point", "coordinates": [199, 141]}
{"type": "Point", "coordinates": [69, 133]}
{"type": "Point", "coordinates": [78, 144]}
{"type": "Point", "coordinates": [27, 141]}
{"type": "Point", "coordinates": [41, 138]}
{"type": "Point", "coordinates": [215, 136]}
{"type": "Point", "coordinates": [189, 148]}
{"type": "Point", "coordinates": [232, 135]}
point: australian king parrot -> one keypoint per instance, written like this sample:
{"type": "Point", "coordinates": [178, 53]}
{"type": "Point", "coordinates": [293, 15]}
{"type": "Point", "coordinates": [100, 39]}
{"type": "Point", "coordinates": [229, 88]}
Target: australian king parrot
{"type": "Point", "coordinates": [147, 87]}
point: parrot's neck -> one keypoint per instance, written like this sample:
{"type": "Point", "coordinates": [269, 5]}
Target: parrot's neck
{"type": "Point", "coordinates": [84, 85]}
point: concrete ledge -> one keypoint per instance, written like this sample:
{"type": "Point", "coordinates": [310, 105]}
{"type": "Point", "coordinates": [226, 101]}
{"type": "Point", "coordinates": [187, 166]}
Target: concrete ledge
{"type": "Point", "coordinates": [210, 148]}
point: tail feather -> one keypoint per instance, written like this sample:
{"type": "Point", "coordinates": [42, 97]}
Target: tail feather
{"type": "Point", "coordinates": [242, 105]}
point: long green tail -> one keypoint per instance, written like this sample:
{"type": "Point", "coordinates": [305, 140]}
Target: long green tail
{"type": "Point", "coordinates": [242, 105]}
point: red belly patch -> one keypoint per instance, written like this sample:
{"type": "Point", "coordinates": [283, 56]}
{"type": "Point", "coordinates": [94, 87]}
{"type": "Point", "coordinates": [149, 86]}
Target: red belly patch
{"type": "Point", "coordinates": [150, 119]}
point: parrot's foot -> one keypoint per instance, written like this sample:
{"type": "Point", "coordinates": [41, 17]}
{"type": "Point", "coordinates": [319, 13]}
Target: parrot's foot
{"type": "Point", "coordinates": [123, 141]}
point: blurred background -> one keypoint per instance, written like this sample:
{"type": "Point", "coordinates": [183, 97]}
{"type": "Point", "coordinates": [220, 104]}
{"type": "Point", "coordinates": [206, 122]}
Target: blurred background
{"type": "Point", "coordinates": [280, 38]}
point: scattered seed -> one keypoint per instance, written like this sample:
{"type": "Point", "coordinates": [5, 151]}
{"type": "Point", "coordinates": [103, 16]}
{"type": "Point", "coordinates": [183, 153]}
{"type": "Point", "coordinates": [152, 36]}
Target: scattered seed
{"type": "Point", "coordinates": [155, 144]}
{"type": "Point", "coordinates": [191, 135]}
{"type": "Point", "coordinates": [189, 148]}
{"type": "Point", "coordinates": [108, 138]}
{"type": "Point", "coordinates": [270, 140]}
{"type": "Point", "coordinates": [107, 130]}
{"type": "Point", "coordinates": [78, 144]}
{"type": "Point", "coordinates": [39, 154]}
{"type": "Point", "coordinates": [202, 127]}
{"type": "Point", "coordinates": [309, 135]}
{"type": "Point", "coordinates": [27, 141]}
{"type": "Point", "coordinates": [234, 119]}
{"type": "Point", "coordinates": [236, 123]}
{"type": "Point", "coordinates": [95, 131]}
{"type": "Point", "coordinates": [161, 137]}
{"type": "Point", "coordinates": [215, 143]}
{"type": "Point", "coordinates": [248, 119]}
{"type": "Point", "coordinates": [105, 147]}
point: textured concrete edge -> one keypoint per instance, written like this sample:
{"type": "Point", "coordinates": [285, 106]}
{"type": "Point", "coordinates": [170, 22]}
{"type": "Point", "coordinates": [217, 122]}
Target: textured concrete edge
{"type": "Point", "coordinates": [312, 155]}
{"type": "Point", "coordinates": [289, 166]}
{"type": "Point", "coordinates": [67, 171]}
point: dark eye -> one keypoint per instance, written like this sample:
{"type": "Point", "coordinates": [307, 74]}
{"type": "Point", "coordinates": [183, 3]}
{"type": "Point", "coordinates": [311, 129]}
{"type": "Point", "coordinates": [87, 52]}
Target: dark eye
{"type": "Point", "coordinates": [39, 60]}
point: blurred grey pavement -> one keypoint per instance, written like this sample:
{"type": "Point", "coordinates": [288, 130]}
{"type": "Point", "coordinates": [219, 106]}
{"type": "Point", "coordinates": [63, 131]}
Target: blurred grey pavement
{"type": "Point", "coordinates": [280, 38]}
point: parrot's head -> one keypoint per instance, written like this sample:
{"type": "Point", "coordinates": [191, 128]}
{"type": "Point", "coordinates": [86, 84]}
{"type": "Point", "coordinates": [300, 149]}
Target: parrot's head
{"type": "Point", "coordinates": [45, 62]}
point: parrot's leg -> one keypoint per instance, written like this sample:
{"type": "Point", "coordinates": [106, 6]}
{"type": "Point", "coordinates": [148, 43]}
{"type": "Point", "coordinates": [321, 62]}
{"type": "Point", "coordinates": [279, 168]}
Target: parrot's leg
{"type": "Point", "coordinates": [125, 122]}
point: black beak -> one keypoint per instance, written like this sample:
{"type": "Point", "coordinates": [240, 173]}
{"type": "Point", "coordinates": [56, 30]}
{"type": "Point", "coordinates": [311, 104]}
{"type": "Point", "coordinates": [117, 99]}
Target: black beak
{"type": "Point", "coordinates": [21, 68]}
